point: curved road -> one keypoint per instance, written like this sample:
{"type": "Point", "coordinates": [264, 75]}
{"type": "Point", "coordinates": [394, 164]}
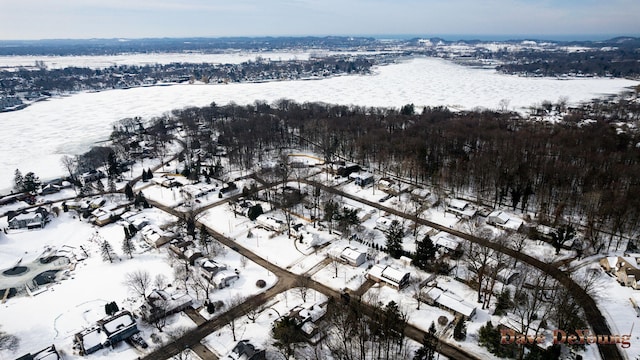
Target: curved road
{"type": "Point", "coordinates": [286, 280]}
{"type": "Point", "coordinates": [593, 315]}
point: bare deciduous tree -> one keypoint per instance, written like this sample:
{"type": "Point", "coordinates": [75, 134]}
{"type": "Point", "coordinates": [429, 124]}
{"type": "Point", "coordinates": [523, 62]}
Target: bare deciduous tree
{"type": "Point", "coordinates": [303, 287]}
{"type": "Point", "coordinates": [139, 282]}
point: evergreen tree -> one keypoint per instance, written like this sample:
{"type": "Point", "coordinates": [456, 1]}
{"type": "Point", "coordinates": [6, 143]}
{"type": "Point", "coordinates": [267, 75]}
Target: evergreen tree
{"type": "Point", "coordinates": [30, 182]}
{"type": "Point", "coordinates": [254, 212]}
{"type": "Point", "coordinates": [112, 185]}
{"type": "Point", "coordinates": [149, 174]}
{"type": "Point", "coordinates": [429, 345]}
{"type": "Point", "coordinates": [205, 239]}
{"type": "Point", "coordinates": [503, 303]}
{"type": "Point", "coordinates": [330, 212]}
{"type": "Point", "coordinates": [191, 226]}
{"type": "Point", "coordinates": [425, 252]}
{"type": "Point", "coordinates": [460, 331]}
{"type": "Point", "coordinates": [287, 333]}
{"type": "Point", "coordinates": [127, 246]}
{"type": "Point", "coordinates": [107, 251]}
{"type": "Point", "coordinates": [100, 186]}
{"type": "Point", "coordinates": [394, 239]}
{"type": "Point", "coordinates": [128, 191]}
{"type": "Point", "coordinates": [489, 337]}
{"type": "Point", "coordinates": [18, 181]}
{"type": "Point", "coordinates": [113, 170]}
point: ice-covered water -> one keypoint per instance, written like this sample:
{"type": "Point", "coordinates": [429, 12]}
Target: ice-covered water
{"type": "Point", "coordinates": [35, 138]}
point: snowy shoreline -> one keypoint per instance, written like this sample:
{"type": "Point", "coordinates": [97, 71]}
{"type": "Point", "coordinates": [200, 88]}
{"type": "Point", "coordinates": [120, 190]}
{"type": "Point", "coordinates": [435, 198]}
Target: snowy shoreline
{"type": "Point", "coordinates": [39, 135]}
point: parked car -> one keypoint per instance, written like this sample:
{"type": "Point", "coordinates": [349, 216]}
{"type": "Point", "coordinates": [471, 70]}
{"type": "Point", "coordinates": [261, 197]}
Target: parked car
{"type": "Point", "coordinates": [137, 340]}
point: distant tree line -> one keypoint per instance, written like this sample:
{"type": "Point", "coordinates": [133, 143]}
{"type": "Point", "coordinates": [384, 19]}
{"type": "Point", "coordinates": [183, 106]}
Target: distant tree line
{"type": "Point", "coordinates": [66, 47]}
{"type": "Point", "coordinates": [28, 83]}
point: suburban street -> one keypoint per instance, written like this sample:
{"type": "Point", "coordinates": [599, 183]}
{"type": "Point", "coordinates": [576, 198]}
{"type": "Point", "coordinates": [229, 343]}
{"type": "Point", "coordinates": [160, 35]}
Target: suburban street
{"type": "Point", "coordinates": [288, 280]}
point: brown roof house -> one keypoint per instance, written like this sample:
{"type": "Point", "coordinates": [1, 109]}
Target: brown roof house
{"type": "Point", "coordinates": [625, 268]}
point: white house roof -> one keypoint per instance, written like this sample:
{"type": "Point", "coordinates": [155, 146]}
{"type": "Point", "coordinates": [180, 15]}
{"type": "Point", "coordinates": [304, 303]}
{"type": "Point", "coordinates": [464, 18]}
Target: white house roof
{"type": "Point", "coordinates": [630, 261]}
{"type": "Point", "coordinates": [458, 204]}
{"type": "Point", "coordinates": [351, 254]}
{"type": "Point", "coordinates": [93, 337]}
{"type": "Point", "coordinates": [421, 193]}
{"type": "Point", "coordinates": [612, 261]}
{"type": "Point", "coordinates": [500, 215]}
{"type": "Point", "coordinates": [392, 274]}
{"type": "Point", "coordinates": [447, 240]}
{"type": "Point", "coordinates": [450, 300]}
{"type": "Point", "coordinates": [376, 270]}
{"type": "Point", "coordinates": [119, 322]}
{"type": "Point", "coordinates": [27, 216]}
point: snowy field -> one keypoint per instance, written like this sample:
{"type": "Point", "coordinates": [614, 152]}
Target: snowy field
{"type": "Point", "coordinates": [40, 134]}
{"type": "Point", "coordinates": [55, 315]}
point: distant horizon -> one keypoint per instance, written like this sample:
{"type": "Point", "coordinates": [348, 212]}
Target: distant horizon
{"type": "Point", "coordinates": [94, 19]}
{"type": "Point", "coordinates": [447, 37]}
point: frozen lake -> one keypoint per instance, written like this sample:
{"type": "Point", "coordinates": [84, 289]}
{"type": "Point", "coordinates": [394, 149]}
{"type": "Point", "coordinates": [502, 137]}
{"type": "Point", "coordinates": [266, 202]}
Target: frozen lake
{"type": "Point", "coordinates": [35, 138]}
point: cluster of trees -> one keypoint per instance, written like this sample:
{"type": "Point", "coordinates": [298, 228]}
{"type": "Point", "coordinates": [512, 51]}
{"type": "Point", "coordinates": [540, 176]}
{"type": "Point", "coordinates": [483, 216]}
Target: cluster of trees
{"type": "Point", "coordinates": [502, 158]}
{"type": "Point", "coordinates": [617, 62]}
{"type": "Point", "coordinates": [65, 47]}
{"type": "Point", "coordinates": [356, 333]}
{"type": "Point", "coordinates": [28, 183]}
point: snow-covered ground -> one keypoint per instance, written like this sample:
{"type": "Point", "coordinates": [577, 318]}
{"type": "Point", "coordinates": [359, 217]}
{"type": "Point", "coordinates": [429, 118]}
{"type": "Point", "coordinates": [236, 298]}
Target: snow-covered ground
{"type": "Point", "coordinates": [68, 306]}
{"type": "Point", "coordinates": [40, 134]}
{"type": "Point", "coordinates": [77, 299]}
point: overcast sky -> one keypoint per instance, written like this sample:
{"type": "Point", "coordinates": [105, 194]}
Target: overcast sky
{"type": "Point", "coordinates": [55, 19]}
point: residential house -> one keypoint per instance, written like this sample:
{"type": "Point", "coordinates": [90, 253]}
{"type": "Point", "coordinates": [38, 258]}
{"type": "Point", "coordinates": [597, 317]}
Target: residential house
{"type": "Point", "coordinates": [383, 223]}
{"type": "Point", "coordinates": [244, 350]}
{"type": "Point", "coordinates": [501, 219]}
{"type": "Point", "coordinates": [420, 195]}
{"type": "Point", "coordinates": [448, 242]}
{"type": "Point", "coordinates": [118, 327]}
{"type": "Point", "coordinates": [307, 317]}
{"type": "Point", "coordinates": [160, 304]}
{"type": "Point", "coordinates": [208, 268]}
{"type": "Point", "coordinates": [389, 275]}
{"type": "Point", "coordinates": [447, 300]}
{"type": "Point", "coordinates": [625, 268]}
{"type": "Point", "coordinates": [49, 189]}
{"type": "Point", "coordinates": [29, 220]}
{"type": "Point", "coordinates": [154, 236]}
{"type": "Point", "coordinates": [461, 208]}
{"type": "Point", "coordinates": [362, 179]}
{"type": "Point", "coordinates": [388, 185]}
{"type": "Point", "coordinates": [224, 279]}
{"type": "Point", "coordinates": [90, 340]}
{"type": "Point", "coordinates": [351, 256]}
{"type": "Point", "coordinates": [271, 223]}
{"type": "Point", "coordinates": [48, 353]}
{"type": "Point", "coordinates": [345, 171]}
{"type": "Point", "coordinates": [92, 175]}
